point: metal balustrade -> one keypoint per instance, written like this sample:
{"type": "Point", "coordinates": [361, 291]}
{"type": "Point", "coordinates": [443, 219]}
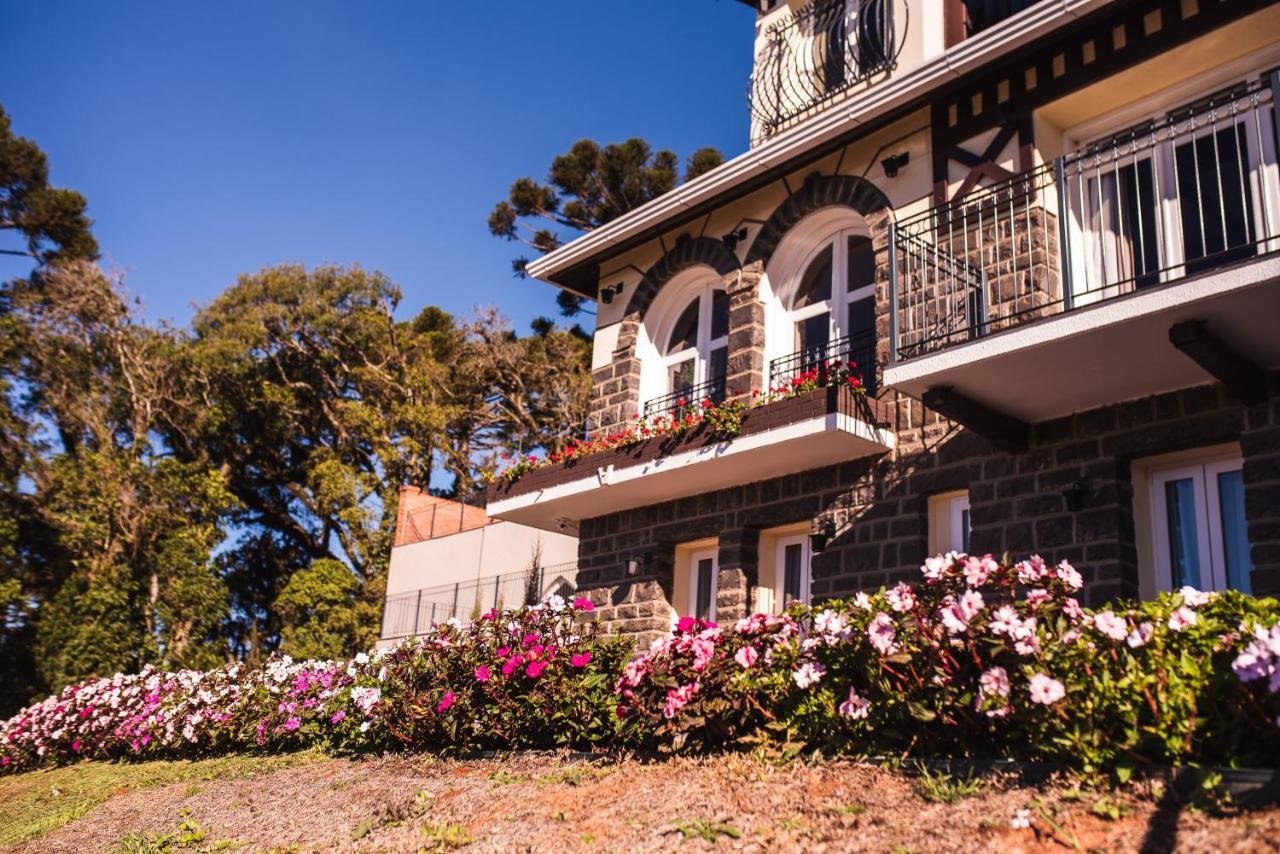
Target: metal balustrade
{"type": "Point", "coordinates": [859, 349]}
{"type": "Point", "coordinates": [688, 399]}
{"type": "Point", "coordinates": [815, 55]}
{"type": "Point", "coordinates": [1191, 191]}
{"type": "Point", "coordinates": [408, 614]}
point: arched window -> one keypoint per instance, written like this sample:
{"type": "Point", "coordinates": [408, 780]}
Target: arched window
{"type": "Point", "coordinates": [830, 307]}
{"type": "Point", "coordinates": [695, 352]}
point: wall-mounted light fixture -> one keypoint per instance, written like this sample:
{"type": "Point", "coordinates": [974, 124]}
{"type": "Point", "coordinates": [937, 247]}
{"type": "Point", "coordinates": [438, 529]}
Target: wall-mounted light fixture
{"type": "Point", "coordinates": [1077, 494]}
{"type": "Point", "coordinates": [634, 563]}
{"type": "Point", "coordinates": [895, 162]}
{"type": "Point", "coordinates": [733, 238]}
{"type": "Point", "coordinates": [819, 539]}
{"type": "Point", "coordinates": [608, 293]}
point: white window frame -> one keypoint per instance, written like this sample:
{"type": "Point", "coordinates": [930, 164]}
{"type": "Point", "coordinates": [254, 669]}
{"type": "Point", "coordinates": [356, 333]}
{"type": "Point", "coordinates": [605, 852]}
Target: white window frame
{"type": "Point", "coordinates": [1209, 538]}
{"type": "Point", "coordinates": [1094, 266]}
{"type": "Point", "coordinates": [780, 569]}
{"type": "Point", "coordinates": [946, 521]}
{"type": "Point", "coordinates": [704, 345]}
{"type": "Point", "coordinates": [836, 307]}
{"type": "Point", "coordinates": [691, 572]}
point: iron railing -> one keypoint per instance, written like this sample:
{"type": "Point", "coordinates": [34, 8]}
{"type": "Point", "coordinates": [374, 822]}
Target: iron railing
{"type": "Point", "coordinates": [859, 349]}
{"type": "Point", "coordinates": [408, 614]}
{"type": "Point", "coordinates": [1188, 192]}
{"type": "Point", "coordinates": [688, 399]}
{"type": "Point", "coordinates": [816, 55]}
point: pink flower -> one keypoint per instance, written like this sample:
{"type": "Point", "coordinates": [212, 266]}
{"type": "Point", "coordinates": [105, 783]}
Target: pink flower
{"type": "Point", "coordinates": [1045, 689]}
{"type": "Point", "coordinates": [1037, 597]}
{"type": "Point", "coordinates": [1031, 570]}
{"type": "Point", "coordinates": [855, 708]}
{"type": "Point", "coordinates": [1116, 628]}
{"type": "Point", "coordinates": [338, 717]}
{"type": "Point", "coordinates": [582, 659]}
{"type": "Point", "coordinates": [1193, 597]}
{"type": "Point", "coordinates": [687, 625]}
{"type": "Point", "coordinates": [809, 673]}
{"type": "Point", "coordinates": [1139, 636]}
{"type": "Point", "coordinates": [292, 724]}
{"type": "Point", "coordinates": [445, 702]}
{"type": "Point", "coordinates": [482, 674]}
{"type": "Point", "coordinates": [582, 603]}
{"type": "Point", "coordinates": [1182, 618]}
{"type": "Point", "coordinates": [901, 598]}
{"type": "Point", "coordinates": [746, 656]}
{"type": "Point", "coordinates": [1073, 610]}
{"type": "Point", "coordinates": [703, 651]}
{"type": "Point", "coordinates": [994, 682]}
{"type": "Point", "coordinates": [934, 567]}
{"type": "Point", "coordinates": [512, 664]}
{"type": "Point", "coordinates": [1069, 576]}
{"type": "Point", "coordinates": [677, 699]}
{"type": "Point", "coordinates": [882, 634]}
{"type": "Point", "coordinates": [75, 745]}
{"type": "Point", "coordinates": [978, 569]}
{"type": "Point", "coordinates": [535, 668]}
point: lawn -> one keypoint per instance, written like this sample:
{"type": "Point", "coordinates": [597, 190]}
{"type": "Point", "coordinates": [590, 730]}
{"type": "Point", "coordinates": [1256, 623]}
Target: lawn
{"type": "Point", "coordinates": [558, 803]}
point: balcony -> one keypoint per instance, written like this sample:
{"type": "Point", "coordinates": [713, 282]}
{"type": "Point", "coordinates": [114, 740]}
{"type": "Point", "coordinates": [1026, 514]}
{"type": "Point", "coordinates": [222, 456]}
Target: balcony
{"type": "Point", "coordinates": [678, 403]}
{"type": "Point", "coordinates": [1063, 288]}
{"type": "Point", "coordinates": [809, 430]}
{"type": "Point", "coordinates": [816, 56]}
{"type": "Point", "coordinates": [409, 613]}
{"type": "Point", "coordinates": [858, 349]}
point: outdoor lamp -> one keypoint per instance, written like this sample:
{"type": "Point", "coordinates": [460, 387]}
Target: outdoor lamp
{"type": "Point", "coordinates": [818, 539]}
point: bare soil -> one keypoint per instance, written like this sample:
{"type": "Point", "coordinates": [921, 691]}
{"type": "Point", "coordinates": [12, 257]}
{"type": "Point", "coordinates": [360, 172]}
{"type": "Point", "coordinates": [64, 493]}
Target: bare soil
{"type": "Point", "coordinates": [545, 802]}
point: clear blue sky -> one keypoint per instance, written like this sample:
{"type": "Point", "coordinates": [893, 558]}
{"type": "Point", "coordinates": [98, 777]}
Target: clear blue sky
{"type": "Point", "coordinates": [217, 138]}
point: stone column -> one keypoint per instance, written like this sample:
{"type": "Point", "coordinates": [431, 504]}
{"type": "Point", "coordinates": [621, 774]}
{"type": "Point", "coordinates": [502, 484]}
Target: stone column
{"type": "Point", "coordinates": [739, 573]}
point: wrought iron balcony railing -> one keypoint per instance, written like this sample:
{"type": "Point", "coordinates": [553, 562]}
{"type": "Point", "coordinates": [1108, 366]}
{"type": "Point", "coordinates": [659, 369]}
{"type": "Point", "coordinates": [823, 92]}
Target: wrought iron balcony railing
{"type": "Point", "coordinates": [859, 349]}
{"type": "Point", "coordinates": [407, 614]}
{"type": "Point", "coordinates": [817, 54]}
{"type": "Point", "coordinates": [688, 399]}
{"type": "Point", "coordinates": [1188, 192]}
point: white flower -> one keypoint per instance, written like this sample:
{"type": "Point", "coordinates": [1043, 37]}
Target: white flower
{"type": "Point", "coordinates": [1139, 636]}
{"type": "Point", "coordinates": [362, 658]}
{"type": "Point", "coordinates": [1182, 618]}
{"type": "Point", "coordinates": [1110, 625]}
{"type": "Point", "coordinates": [809, 673]}
{"type": "Point", "coordinates": [1070, 576]}
{"type": "Point", "coordinates": [862, 601]}
{"type": "Point", "coordinates": [1045, 689]}
{"type": "Point", "coordinates": [994, 682]}
{"type": "Point", "coordinates": [1193, 597]}
{"type": "Point", "coordinates": [855, 708]}
{"type": "Point", "coordinates": [902, 597]}
{"type": "Point", "coordinates": [364, 727]}
{"type": "Point", "coordinates": [882, 634]}
{"type": "Point", "coordinates": [934, 567]}
{"type": "Point", "coordinates": [1021, 820]}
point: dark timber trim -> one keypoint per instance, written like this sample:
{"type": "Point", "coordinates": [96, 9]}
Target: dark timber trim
{"type": "Point", "coordinates": [1246, 381]}
{"type": "Point", "coordinates": [1003, 431]}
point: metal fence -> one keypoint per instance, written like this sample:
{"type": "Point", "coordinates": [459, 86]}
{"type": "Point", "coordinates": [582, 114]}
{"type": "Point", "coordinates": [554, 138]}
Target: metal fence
{"type": "Point", "coordinates": [407, 614]}
{"type": "Point", "coordinates": [686, 399]}
{"type": "Point", "coordinates": [859, 349]}
{"type": "Point", "coordinates": [1188, 192]}
{"type": "Point", "coordinates": [817, 54]}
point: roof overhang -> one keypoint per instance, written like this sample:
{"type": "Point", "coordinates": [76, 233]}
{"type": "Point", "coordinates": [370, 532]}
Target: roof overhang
{"type": "Point", "coordinates": [575, 266]}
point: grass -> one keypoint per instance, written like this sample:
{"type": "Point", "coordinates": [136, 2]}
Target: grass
{"type": "Point", "coordinates": [707, 831]}
{"type": "Point", "coordinates": [943, 788]}
{"type": "Point", "coordinates": [35, 803]}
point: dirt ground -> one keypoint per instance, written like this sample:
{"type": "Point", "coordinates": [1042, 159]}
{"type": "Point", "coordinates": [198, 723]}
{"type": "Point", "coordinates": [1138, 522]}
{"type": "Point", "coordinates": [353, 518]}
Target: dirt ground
{"type": "Point", "coordinates": [555, 803]}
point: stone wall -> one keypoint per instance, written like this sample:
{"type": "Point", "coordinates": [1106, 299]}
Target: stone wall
{"type": "Point", "coordinates": [880, 505]}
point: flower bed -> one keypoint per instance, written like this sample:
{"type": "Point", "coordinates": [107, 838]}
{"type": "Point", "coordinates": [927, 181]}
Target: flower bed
{"type": "Point", "coordinates": [981, 659]}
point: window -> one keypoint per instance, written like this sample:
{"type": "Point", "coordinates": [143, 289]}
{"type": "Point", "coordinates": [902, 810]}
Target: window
{"type": "Point", "coordinates": [831, 309]}
{"type": "Point", "coordinates": [696, 351]}
{"type": "Point", "coordinates": [1199, 535]}
{"type": "Point", "coordinates": [949, 523]}
{"type": "Point", "coordinates": [793, 570]}
{"type": "Point", "coordinates": [704, 575]}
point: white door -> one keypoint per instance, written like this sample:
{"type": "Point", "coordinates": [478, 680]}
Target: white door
{"type": "Point", "coordinates": [793, 571]}
{"type": "Point", "coordinates": [704, 577]}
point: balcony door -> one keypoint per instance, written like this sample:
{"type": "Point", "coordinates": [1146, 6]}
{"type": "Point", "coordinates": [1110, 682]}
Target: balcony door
{"type": "Point", "coordinates": [704, 576]}
{"type": "Point", "coordinates": [793, 567]}
{"type": "Point", "coordinates": [695, 355]}
{"type": "Point", "coordinates": [1171, 197]}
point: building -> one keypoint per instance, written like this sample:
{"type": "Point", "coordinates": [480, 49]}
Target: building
{"type": "Point", "coordinates": [1049, 235]}
{"type": "Point", "coordinates": [450, 560]}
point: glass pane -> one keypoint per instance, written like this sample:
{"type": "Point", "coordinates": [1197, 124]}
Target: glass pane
{"type": "Point", "coordinates": [719, 314]}
{"type": "Point", "coordinates": [791, 568]}
{"type": "Point", "coordinates": [718, 364]}
{"type": "Point", "coordinates": [1215, 199]}
{"type": "Point", "coordinates": [685, 333]}
{"type": "Point", "coordinates": [1235, 534]}
{"type": "Point", "coordinates": [816, 284]}
{"type": "Point", "coordinates": [812, 336]}
{"type": "Point", "coordinates": [1184, 544]}
{"type": "Point", "coordinates": [964, 530]}
{"type": "Point", "coordinates": [681, 378]}
{"type": "Point", "coordinates": [703, 609]}
{"type": "Point", "coordinates": [862, 343]}
{"type": "Point", "coordinates": [1124, 211]}
{"type": "Point", "coordinates": [862, 263]}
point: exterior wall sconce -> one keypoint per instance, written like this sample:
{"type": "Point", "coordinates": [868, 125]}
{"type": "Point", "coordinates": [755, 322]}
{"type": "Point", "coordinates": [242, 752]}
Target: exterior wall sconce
{"type": "Point", "coordinates": [608, 293]}
{"type": "Point", "coordinates": [1078, 493]}
{"type": "Point", "coordinates": [819, 539]}
{"type": "Point", "coordinates": [634, 563]}
{"type": "Point", "coordinates": [733, 238]}
{"type": "Point", "coordinates": [894, 163]}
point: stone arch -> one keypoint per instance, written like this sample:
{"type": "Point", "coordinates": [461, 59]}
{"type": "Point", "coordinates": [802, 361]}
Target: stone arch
{"type": "Point", "coordinates": [821, 191]}
{"type": "Point", "coordinates": [687, 253]}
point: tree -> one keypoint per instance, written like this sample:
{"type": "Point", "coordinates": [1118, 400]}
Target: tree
{"type": "Point", "coordinates": [51, 221]}
{"type": "Point", "coordinates": [319, 612]}
{"type": "Point", "coordinates": [588, 186]}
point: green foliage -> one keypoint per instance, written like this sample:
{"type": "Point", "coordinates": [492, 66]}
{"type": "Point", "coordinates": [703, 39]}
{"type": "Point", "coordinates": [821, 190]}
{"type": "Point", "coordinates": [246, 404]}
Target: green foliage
{"type": "Point", "coordinates": [943, 788]}
{"type": "Point", "coordinates": [707, 831]}
{"type": "Point", "coordinates": [588, 186]}
{"type": "Point", "coordinates": [51, 221]}
{"type": "Point", "coordinates": [318, 611]}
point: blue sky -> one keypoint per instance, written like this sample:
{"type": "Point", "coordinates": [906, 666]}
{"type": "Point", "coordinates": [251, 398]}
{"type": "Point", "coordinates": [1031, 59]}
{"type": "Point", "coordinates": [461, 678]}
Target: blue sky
{"type": "Point", "coordinates": [217, 138]}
